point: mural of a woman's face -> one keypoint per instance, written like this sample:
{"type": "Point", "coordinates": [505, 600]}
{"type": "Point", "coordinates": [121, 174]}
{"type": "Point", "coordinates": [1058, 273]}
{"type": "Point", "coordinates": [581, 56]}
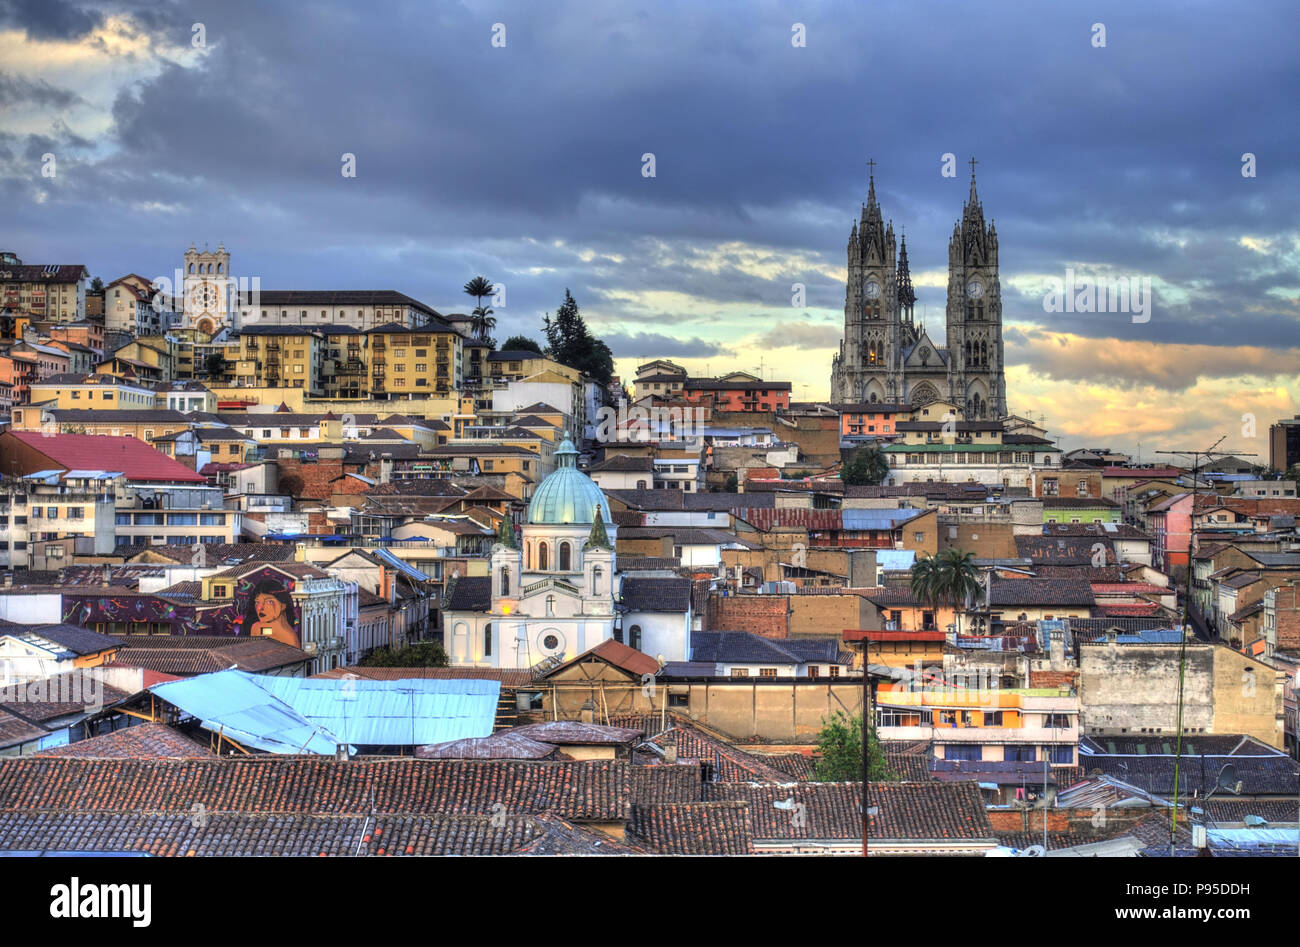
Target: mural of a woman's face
{"type": "Point", "coordinates": [269, 608]}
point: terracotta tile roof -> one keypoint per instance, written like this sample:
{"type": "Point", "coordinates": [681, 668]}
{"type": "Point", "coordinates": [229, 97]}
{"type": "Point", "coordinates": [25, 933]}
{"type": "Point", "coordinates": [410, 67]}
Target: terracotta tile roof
{"type": "Point", "coordinates": [241, 834]}
{"type": "Point", "coordinates": [1040, 592]}
{"type": "Point", "coordinates": [133, 458]}
{"type": "Point", "coordinates": [178, 654]}
{"type": "Point", "coordinates": [617, 654]}
{"type": "Point", "coordinates": [143, 741]}
{"type": "Point", "coordinates": [912, 811]}
{"type": "Point", "coordinates": [507, 676]}
{"type": "Point", "coordinates": [39, 701]}
{"type": "Point", "coordinates": [694, 828]}
{"type": "Point", "coordinates": [595, 790]}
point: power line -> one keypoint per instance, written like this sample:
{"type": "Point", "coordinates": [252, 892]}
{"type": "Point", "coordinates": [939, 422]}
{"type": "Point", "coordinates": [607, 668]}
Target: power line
{"type": "Point", "coordinates": [1209, 454]}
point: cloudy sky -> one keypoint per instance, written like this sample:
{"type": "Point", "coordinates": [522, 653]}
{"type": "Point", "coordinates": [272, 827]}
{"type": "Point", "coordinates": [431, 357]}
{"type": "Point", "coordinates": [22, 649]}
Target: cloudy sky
{"type": "Point", "coordinates": [227, 121]}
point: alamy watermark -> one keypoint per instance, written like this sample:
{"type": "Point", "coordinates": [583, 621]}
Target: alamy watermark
{"type": "Point", "coordinates": [26, 681]}
{"type": "Point", "coordinates": [624, 423]}
{"type": "Point", "coordinates": [1096, 294]}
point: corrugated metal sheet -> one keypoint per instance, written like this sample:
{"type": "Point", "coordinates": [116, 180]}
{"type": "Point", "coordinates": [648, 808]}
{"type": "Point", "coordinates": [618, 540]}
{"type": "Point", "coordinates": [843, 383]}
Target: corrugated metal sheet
{"type": "Point", "coordinates": [413, 711]}
{"type": "Point", "coordinates": [877, 519]}
{"type": "Point", "coordinates": [895, 558]}
{"type": "Point", "coordinates": [400, 565]}
{"type": "Point", "coordinates": [235, 704]}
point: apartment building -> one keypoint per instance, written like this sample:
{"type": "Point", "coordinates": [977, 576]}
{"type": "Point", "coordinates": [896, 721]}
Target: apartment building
{"type": "Point", "coordinates": [56, 292]}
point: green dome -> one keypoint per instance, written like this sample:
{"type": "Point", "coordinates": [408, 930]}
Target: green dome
{"type": "Point", "coordinates": [567, 496]}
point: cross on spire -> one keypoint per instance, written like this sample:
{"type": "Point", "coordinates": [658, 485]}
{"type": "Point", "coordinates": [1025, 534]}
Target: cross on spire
{"type": "Point", "coordinates": [871, 167]}
{"type": "Point", "coordinates": [973, 162]}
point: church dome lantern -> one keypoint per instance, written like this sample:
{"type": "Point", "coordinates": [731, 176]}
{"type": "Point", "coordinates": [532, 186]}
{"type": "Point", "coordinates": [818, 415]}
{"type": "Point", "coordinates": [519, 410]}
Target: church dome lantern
{"type": "Point", "coordinates": [568, 496]}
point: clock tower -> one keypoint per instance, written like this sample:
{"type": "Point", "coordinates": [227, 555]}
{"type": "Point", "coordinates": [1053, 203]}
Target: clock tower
{"type": "Point", "coordinates": [207, 289]}
{"type": "Point", "coordinates": [974, 315]}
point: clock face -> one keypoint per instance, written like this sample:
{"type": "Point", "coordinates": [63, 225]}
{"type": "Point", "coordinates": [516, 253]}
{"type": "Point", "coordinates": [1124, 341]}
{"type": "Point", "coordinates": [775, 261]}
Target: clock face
{"type": "Point", "coordinates": [974, 290]}
{"type": "Point", "coordinates": [872, 289]}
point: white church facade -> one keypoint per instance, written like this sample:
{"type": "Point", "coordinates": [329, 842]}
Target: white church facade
{"type": "Point", "coordinates": [556, 592]}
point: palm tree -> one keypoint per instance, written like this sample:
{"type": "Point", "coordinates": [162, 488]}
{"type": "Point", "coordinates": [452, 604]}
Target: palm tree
{"type": "Point", "coordinates": [481, 321]}
{"type": "Point", "coordinates": [949, 578]}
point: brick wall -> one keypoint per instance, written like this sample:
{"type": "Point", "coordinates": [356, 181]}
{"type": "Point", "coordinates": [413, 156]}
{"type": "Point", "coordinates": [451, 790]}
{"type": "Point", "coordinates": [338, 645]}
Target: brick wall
{"type": "Point", "coordinates": [766, 615]}
{"type": "Point", "coordinates": [1053, 678]}
{"type": "Point", "coordinates": [1288, 617]}
{"type": "Point", "coordinates": [1074, 821]}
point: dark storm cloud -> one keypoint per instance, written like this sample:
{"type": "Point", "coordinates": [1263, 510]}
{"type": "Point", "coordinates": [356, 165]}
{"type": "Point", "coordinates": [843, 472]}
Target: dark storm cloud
{"type": "Point", "coordinates": [49, 19]}
{"type": "Point", "coordinates": [16, 89]}
{"type": "Point", "coordinates": [656, 345]}
{"type": "Point", "coordinates": [524, 162]}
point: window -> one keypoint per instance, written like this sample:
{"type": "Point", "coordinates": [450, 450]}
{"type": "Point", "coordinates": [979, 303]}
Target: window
{"type": "Point", "coordinates": [595, 580]}
{"type": "Point", "coordinates": [1056, 720]}
{"type": "Point", "coordinates": [963, 753]}
{"type": "Point", "coordinates": [487, 640]}
{"type": "Point", "coordinates": [835, 670]}
{"type": "Point", "coordinates": [740, 672]}
{"type": "Point", "coordinates": [550, 606]}
{"type": "Point", "coordinates": [634, 637]}
{"type": "Point", "coordinates": [542, 558]}
{"type": "Point", "coordinates": [927, 622]}
{"type": "Point", "coordinates": [814, 671]}
{"type": "Point", "coordinates": [505, 581]}
{"type": "Point", "coordinates": [1020, 754]}
{"type": "Point", "coordinates": [76, 512]}
{"type": "Point", "coordinates": [565, 557]}
{"type": "Point", "coordinates": [1059, 754]}
{"type": "Point", "coordinates": [767, 672]}
{"type": "Point", "coordinates": [992, 718]}
{"type": "Point", "coordinates": [918, 537]}
{"type": "Point", "coordinates": [52, 512]}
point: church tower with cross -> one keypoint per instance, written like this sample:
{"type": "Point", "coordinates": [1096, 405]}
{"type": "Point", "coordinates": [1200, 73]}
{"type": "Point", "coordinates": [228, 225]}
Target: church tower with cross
{"type": "Point", "coordinates": [887, 355]}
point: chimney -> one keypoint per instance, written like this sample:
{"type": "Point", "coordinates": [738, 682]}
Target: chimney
{"type": "Point", "coordinates": [588, 714]}
{"type": "Point", "coordinates": [9, 580]}
{"type": "Point", "coordinates": [341, 753]}
{"type": "Point", "coordinates": [386, 468]}
{"type": "Point", "coordinates": [670, 749]}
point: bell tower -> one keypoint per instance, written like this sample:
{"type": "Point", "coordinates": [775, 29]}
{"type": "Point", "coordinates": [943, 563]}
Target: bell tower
{"type": "Point", "coordinates": [207, 289]}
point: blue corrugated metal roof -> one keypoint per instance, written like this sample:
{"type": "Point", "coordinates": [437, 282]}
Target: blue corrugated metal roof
{"type": "Point", "coordinates": [895, 558]}
{"type": "Point", "coordinates": [236, 704]}
{"type": "Point", "coordinates": [876, 519]}
{"type": "Point", "coordinates": [392, 713]}
{"type": "Point", "coordinates": [401, 565]}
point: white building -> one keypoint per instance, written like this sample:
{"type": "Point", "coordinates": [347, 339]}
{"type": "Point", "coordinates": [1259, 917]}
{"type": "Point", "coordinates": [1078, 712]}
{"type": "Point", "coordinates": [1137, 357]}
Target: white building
{"type": "Point", "coordinates": [556, 592]}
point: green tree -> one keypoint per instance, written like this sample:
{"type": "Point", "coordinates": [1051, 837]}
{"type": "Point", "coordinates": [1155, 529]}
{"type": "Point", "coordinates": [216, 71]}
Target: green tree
{"type": "Point", "coordinates": [839, 746]}
{"type": "Point", "coordinates": [868, 466]}
{"type": "Point", "coordinates": [732, 483]}
{"type": "Point", "coordinates": [214, 365]}
{"type": "Point", "coordinates": [422, 654]}
{"type": "Point", "coordinates": [97, 285]}
{"type": "Point", "coordinates": [949, 578]}
{"type": "Point", "coordinates": [521, 343]}
{"type": "Point", "coordinates": [481, 320]}
{"type": "Point", "coordinates": [569, 342]}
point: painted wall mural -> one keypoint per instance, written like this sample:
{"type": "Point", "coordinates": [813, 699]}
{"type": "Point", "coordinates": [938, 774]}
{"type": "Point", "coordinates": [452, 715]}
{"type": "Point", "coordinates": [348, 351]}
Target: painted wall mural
{"type": "Point", "coordinates": [261, 605]}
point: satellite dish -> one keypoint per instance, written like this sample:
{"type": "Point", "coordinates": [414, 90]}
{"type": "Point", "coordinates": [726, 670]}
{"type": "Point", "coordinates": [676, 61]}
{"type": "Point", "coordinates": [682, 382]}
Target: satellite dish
{"type": "Point", "coordinates": [1033, 851]}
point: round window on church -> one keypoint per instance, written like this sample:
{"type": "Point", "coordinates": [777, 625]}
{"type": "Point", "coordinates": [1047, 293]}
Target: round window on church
{"type": "Point", "coordinates": [550, 642]}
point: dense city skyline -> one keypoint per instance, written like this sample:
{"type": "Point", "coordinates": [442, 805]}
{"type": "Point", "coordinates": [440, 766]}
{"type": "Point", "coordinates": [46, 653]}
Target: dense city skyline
{"type": "Point", "coordinates": [1123, 161]}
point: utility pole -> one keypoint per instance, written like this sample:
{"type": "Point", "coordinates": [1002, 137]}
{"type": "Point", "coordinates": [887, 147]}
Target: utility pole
{"type": "Point", "coordinates": [1209, 454]}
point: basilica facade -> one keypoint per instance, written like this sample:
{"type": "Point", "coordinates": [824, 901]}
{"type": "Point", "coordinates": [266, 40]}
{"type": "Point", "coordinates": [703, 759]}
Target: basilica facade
{"type": "Point", "coordinates": [887, 355]}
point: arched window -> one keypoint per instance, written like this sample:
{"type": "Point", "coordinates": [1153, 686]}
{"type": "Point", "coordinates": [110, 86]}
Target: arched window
{"type": "Point", "coordinates": [542, 565]}
{"type": "Point", "coordinates": [595, 580]}
{"type": "Point", "coordinates": [634, 637]}
{"type": "Point", "coordinates": [550, 606]}
{"type": "Point", "coordinates": [640, 484]}
{"type": "Point", "coordinates": [191, 267]}
{"type": "Point", "coordinates": [220, 267]}
{"type": "Point", "coordinates": [984, 352]}
{"type": "Point", "coordinates": [566, 557]}
{"type": "Point", "coordinates": [505, 580]}
{"type": "Point", "coordinates": [487, 640]}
